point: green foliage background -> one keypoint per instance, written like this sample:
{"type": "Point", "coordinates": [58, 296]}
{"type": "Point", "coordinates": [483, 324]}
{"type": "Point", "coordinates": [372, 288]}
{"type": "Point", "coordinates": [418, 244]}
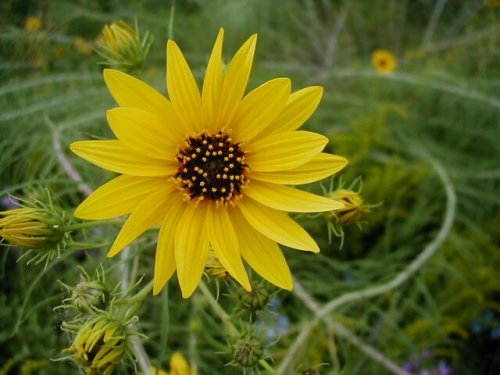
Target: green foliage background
{"type": "Point", "coordinates": [442, 102]}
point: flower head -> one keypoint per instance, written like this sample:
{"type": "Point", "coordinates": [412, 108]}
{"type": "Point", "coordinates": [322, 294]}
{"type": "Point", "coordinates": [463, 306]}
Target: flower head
{"type": "Point", "coordinates": [99, 345]}
{"type": "Point", "coordinates": [33, 23]}
{"type": "Point", "coordinates": [122, 47]}
{"type": "Point", "coordinates": [384, 61]}
{"type": "Point", "coordinates": [211, 168]}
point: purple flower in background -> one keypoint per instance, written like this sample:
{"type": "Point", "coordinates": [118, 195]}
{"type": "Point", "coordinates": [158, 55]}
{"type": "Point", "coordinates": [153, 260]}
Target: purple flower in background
{"type": "Point", "coordinates": [444, 369]}
{"type": "Point", "coordinates": [9, 202]}
{"type": "Point", "coordinates": [423, 364]}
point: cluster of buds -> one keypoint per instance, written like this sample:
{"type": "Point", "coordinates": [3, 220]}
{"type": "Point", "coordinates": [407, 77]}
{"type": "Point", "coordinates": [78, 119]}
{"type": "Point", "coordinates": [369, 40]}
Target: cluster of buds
{"type": "Point", "coordinates": [122, 47]}
{"type": "Point", "coordinates": [36, 226]}
{"type": "Point", "coordinates": [101, 325]}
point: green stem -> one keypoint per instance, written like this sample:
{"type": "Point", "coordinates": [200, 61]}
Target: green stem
{"type": "Point", "coordinates": [137, 298]}
{"type": "Point", "coordinates": [267, 367]}
{"type": "Point", "coordinates": [218, 309]}
{"type": "Point", "coordinates": [91, 224]}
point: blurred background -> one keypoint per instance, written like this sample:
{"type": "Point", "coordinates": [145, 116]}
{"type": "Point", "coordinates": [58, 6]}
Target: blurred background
{"type": "Point", "coordinates": [434, 96]}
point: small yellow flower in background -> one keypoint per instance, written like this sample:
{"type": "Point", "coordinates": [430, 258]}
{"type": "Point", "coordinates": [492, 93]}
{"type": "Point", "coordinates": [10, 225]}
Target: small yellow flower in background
{"type": "Point", "coordinates": [384, 61]}
{"type": "Point", "coordinates": [353, 206]}
{"type": "Point", "coordinates": [33, 23]}
{"type": "Point", "coordinates": [178, 366]}
{"type": "Point", "coordinates": [122, 47]}
{"type": "Point", "coordinates": [156, 371]}
{"type": "Point", "coordinates": [211, 168]}
{"type": "Point", "coordinates": [82, 46]}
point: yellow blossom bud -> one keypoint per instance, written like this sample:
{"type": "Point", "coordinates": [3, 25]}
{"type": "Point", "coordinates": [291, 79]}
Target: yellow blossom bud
{"type": "Point", "coordinates": [121, 46]}
{"type": "Point", "coordinates": [33, 227]}
{"type": "Point", "coordinates": [213, 266]}
{"type": "Point", "coordinates": [353, 206]}
{"type": "Point", "coordinates": [99, 345]}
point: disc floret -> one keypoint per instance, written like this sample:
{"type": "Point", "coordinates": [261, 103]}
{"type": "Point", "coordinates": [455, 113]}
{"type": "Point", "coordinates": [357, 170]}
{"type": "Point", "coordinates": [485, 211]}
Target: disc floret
{"type": "Point", "coordinates": [212, 166]}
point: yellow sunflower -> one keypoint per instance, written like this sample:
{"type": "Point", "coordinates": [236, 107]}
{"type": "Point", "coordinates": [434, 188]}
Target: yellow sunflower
{"type": "Point", "coordinates": [210, 168]}
{"type": "Point", "coordinates": [384, 61]}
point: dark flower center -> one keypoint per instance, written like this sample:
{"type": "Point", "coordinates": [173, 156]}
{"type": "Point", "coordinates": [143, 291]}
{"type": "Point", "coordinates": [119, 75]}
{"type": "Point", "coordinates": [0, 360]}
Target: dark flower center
{"type": "Point", "coordinates": [212, 167]}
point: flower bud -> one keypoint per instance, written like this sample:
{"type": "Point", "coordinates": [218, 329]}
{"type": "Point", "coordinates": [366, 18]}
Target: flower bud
{"type": "Point", "coordinates": [213, 266]}
{"type": "Point", "coordinates": [353, 206]}
{"type": "Point", "coordinates": [41, 227]}
{"type": "Point", "coordinates": [247, 350]}
{"type": "Point", "coordinates": [121, 46]}
{"type": "Point", "coordinates": [100, 344]}
{"type": "Point", "coordinates": [88, 295]}
{"type": "Point", "coordinates": [254, 300]}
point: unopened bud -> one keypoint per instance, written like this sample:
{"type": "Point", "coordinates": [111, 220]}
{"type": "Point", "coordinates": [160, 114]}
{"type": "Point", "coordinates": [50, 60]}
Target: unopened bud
{"type": "Point", "coordinates": [40, 227]}
{"type": "Point", "coordinates": [122, 47]}
{"type": "Point", "coordinates": [353, 206]}
{"type": "Point", "coordinates": [254, 300]}
{"type": "Point", "coordinates": [99, 345]}
{"type": "Point", "coordinates": [213, 266]}
{"type": "Point", "coordinates": [247, 350]}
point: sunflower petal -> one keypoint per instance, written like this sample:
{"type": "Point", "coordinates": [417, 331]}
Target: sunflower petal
{"type": "Point", "coordinates": [129, 91]}
{"type": "Point", "coordinates": [236, 80]}
{"type": "Point", "coordinates": [212, 85]}
{"type": "Point", "coordinates": [276, 225]}
{"type": "Point", "coordinates": [118, 197]}
{"type": "Point", "coordinates": [286, 198]}
{"type": "Point", "coordinates": [261, 253]}
{"type": "Point", "coordinates": [284, 151]}
{"type": "Point", "coordinates": [300, 106]}
{"type": "Point", "coordinates": [145, 132]}
{"type": "Point", "coordinates": [182, 88]}
{"type": "Point", "coordinates": [260, 107]}
{"type": "Point", "coordinates": [321, 166]}
{"type": "Point", "coordinates": [115, 156]}
{"type": "Point", "coordinates": [191, 247]}
{"type": "Point", "coordinates": [165, 250]}
{"type": "Point", "coordinates": [225, 244]}
{"type": "Point", "coordinates": [148, 213]}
